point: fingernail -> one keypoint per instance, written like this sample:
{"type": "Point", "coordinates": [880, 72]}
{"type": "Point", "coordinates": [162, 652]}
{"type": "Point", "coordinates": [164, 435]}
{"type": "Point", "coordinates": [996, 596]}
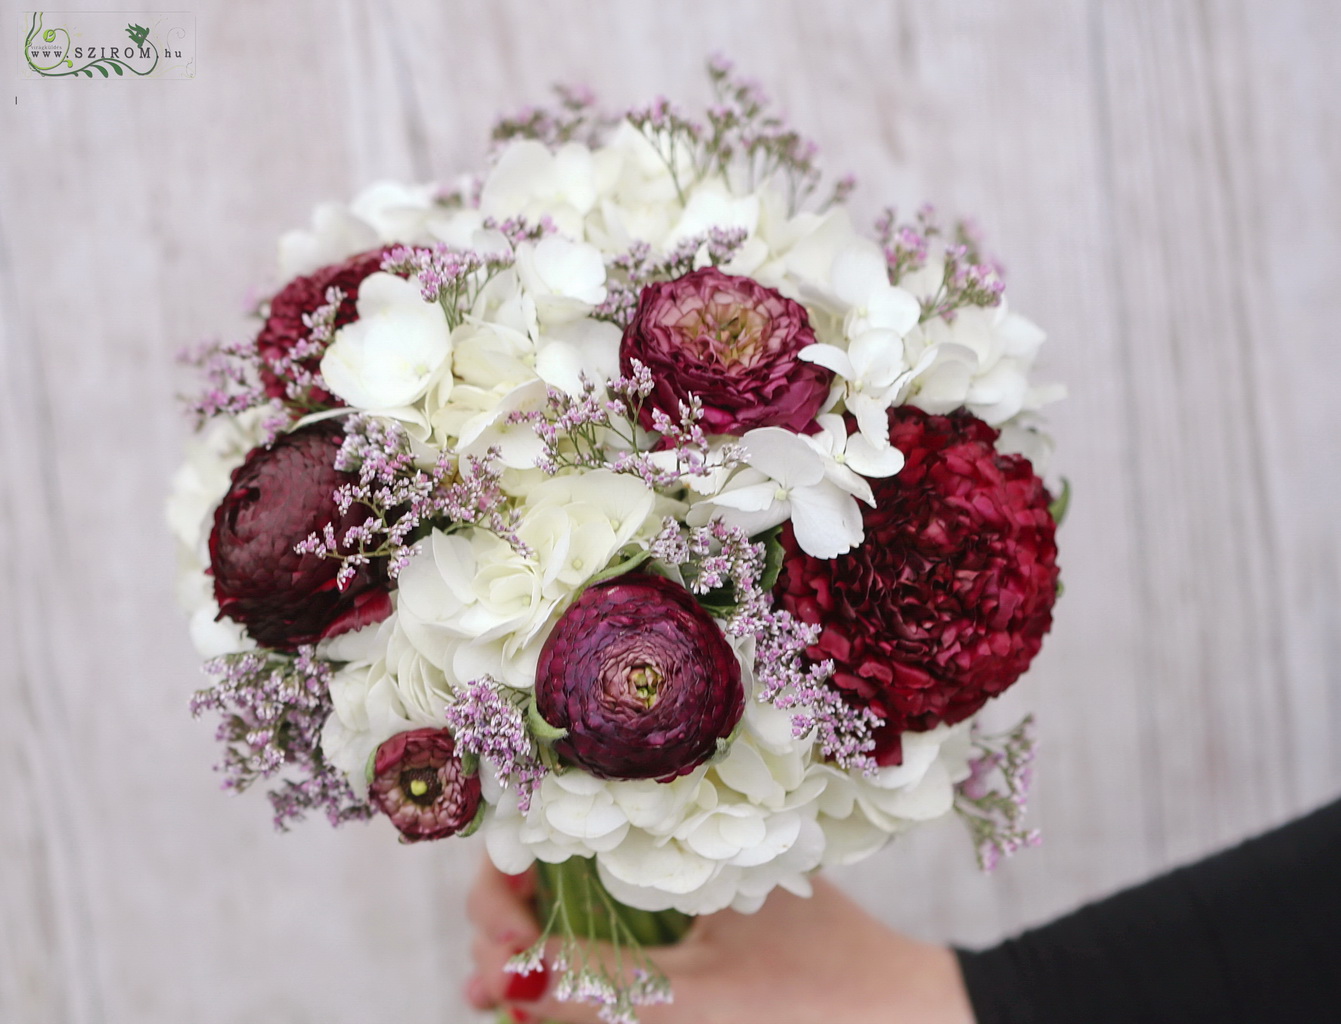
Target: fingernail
{"type": "Point", "coordinates": [516, 882]}
{"type": "Point", "coordinates": [520, 1016]}
{"type": "Point", "coordinates": [527, 988]}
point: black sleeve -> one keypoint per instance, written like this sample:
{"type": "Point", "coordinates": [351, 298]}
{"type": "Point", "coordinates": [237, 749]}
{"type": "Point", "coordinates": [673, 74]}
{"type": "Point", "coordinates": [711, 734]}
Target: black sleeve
{"type": "Point", "coordinates": [1248, 936]}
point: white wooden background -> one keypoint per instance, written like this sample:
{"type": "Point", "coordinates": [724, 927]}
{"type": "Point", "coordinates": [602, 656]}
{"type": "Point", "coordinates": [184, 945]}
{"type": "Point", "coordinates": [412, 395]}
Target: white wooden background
{"type": "Point", "coordinates": [1163, 180]}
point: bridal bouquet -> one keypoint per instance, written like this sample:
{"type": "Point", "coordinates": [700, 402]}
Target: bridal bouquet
{"type": "Point", "coordinates": [630, 506]}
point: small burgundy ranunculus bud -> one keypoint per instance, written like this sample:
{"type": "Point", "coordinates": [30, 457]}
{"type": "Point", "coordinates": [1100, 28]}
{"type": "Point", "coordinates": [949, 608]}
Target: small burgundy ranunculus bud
{"type": "Point", "coordinates": [278, 496]}
{"type": "Point", "coordinates": [734, 344]}
{"type": "Point", "coordinates": [284, 328]}
{"type": "Point", "coordinates": [642, 679]}
{"type": "Point", "coordinates": [420, 784]}
{"type": "Point", "coordinates": [948, 599]}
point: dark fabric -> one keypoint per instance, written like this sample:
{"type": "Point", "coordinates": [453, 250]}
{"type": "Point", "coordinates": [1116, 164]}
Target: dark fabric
{"type": "Point", "coordinates": [1248, 936]}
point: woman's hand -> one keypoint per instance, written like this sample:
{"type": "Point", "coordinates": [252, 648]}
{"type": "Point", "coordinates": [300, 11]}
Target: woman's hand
{"type": "Point", "coordinates": [797, 961]}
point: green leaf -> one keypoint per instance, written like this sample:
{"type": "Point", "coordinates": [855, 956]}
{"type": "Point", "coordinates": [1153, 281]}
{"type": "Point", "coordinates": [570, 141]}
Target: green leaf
{"type": "Point", "coordinates": [541, 729]}
{"type": "Point", "coordinates": [117, 69]}
{"type": "Point", "coordinates": [103, 70]}
{"type": "Point", "coordinates": [718, 602]}
{"type": "Point", "coordinates": [1061, 503]}
{"type": "Point", "coordinates": [470, 764]}
{"type": "Point", "coordinates": [370, 769]}
{"type": "Point", "coordinates": [773, 555]}
{"type": "Point", "coordinates": [474, 825]}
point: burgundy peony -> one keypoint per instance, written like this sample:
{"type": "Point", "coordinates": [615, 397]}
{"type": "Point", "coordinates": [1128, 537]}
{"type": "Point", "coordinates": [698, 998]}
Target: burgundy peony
{"type": "Point", "coordinates": [734, 344]}
{"type": "Point", "coordinates": [642, 679]}
{"type": "Point", "coordinates": [947, 601]}
{"type": "Point", "coordinates": [284, 327]}
{"type": "Point", "coordinates": [278, 496]}
{"type": "Point", "coordinates": [421, 785]}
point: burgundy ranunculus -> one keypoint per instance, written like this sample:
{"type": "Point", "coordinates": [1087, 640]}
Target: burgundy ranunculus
{"type": "Point", "coordinates": [734, 344]}
{"type": "Point", "coordinates": [278, 496]}
{"type": "Point", "coordinates": [284, 327]}
{"type": "Point", "coordinates": [642, 679]}
{"type": "Point", "coordinates": [420, 784]}
{"type": "Point", "coordinates": [947, 601]}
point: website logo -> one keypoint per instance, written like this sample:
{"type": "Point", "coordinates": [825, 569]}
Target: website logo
{"type": "Point", "coordinates": [107, 45]}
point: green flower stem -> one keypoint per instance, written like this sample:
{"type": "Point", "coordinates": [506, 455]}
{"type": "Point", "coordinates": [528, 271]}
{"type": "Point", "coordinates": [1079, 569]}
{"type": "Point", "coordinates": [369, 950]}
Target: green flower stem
{"type": "Point", "coordinates": [596, 919]}
{"type": "Point", "coordinates": [571, 895]}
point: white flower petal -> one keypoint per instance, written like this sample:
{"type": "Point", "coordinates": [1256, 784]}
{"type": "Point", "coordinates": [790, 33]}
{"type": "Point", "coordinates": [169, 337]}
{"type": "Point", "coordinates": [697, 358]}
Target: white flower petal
{"type": "Point", "coordinates": [784, 456]}
{"type": "Point", "coordinates": [830, 356]}
{"type": "Point", "coordinates": [872, 460]}
{"type": "Point", "coordinates": [826, 521]}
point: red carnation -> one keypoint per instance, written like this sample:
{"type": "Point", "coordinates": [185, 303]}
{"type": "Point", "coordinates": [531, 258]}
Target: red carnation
{"type": "Point", "coordinates": [280, 495]}
{"type": "Point", "coordinates": [421, 785]}
{"type": "Point", "coordinates": [284, 328]}
{"type": "Point", "coordinates": [734, 344]}
{"type": "Point", "coordinates": [947, 601]}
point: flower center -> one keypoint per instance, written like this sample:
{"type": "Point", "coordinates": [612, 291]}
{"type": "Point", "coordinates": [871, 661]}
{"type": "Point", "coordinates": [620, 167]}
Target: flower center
{"type": "Point", "coordinates": [421, 786]}
{"type": "Point", "coordinates": [726, 332]}
{"type": "Point", "coordinates": [645, 680]}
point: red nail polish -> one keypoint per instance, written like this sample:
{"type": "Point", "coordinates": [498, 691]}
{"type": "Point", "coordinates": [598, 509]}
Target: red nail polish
{"type": "Point", "coordinates": [516, 882]}
{"type": "Point", "coordinates": [527, 988]}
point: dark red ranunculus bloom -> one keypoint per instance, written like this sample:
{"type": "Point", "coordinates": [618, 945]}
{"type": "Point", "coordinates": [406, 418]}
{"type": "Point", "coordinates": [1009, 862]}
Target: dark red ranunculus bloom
{"type": "Point", "coordinates": [734, 344]}
{"type": "Point", "coordinates": [642, 679]}
{"type": "Point", "coordinates": [284, 327]}
{"type": "Point", "coordinates": [421, 785]}
{"type": "Point", "coordinates": [278, 496]}
{"type": "Point", "coordinates": [947, 601]}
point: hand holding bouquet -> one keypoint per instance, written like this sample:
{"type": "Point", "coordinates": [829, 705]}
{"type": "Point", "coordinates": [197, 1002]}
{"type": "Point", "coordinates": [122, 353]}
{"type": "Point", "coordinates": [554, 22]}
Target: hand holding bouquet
{"type": "Point", "coordinates": [629, 506]}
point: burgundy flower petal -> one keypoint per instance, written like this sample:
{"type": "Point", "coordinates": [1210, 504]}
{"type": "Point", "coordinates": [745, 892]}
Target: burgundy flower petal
{"type": "Point", "coordinates": [420, 784]}
{"type": "Point", "coordinates": [948, 599]}
{"type": "Point", "coordinates": [278, 496]}
{"type": "Point", "coordinates": [642, 679]}
{"type": "Point", "coordinates": [734, 344]}
{"type": "Point", "coordinates": [284, 327]}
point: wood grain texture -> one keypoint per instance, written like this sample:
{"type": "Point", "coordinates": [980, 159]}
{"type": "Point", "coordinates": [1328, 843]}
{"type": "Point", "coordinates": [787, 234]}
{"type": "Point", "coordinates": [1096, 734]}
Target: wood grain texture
{"type": "Point", "coordinates": [1164, 182]}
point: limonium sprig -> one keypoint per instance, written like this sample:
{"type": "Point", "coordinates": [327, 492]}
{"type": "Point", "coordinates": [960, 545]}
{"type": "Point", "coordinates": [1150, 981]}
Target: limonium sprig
{"type": "Point", "coordinates": [454, 278]}
{"type": "Point", "coordinates": [231, 384]}
{"type": "Point", "coordinates": [747, 137]}
{"type": "Point", "coordinates": [403, 497]}
{"type": "Point", "coordinates": [994, 814]}
{"type": "Point", "coordinates": [717, 557]}
{"type": "Point", "coordinates": [302, 384]}
{"type": "Point", "coordinates": [583, 913]}
{"type": "Point", "coordinates": [273, 709]}
{"type": "Point", "coordinates": [234, 372]}
{"type": "Point", "coordinates": [968, 277]}
{"type": "Point", "coordinates": [637, 267]}
{"type": "Point", "coordinates": [488, 723]}
{"type": "Point", "coordinates": [594, 430]}
{"type": "Point", "coordinates": [575, 118]}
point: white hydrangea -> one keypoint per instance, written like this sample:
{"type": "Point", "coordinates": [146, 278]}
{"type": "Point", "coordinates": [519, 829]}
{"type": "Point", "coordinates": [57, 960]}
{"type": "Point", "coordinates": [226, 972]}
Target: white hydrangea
{"type": "Point", "coordinates": [726, 834]}
{"type": "Point", "coordinates": [474, 606]}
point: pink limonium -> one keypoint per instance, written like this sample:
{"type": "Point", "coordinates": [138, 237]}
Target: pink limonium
{"type": "Point", "coordinates": [716, 556]}
{"type": "Point", "coordinates": [993, 799]}
{"type": "Point", "coordinates": [594, 430]}
{"type": "Point", "coordinates": [489, 725]}
{"type": "Point", "coordinates": [399, 497]}
{"type": "Point", "coordinates": [273, 708]}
